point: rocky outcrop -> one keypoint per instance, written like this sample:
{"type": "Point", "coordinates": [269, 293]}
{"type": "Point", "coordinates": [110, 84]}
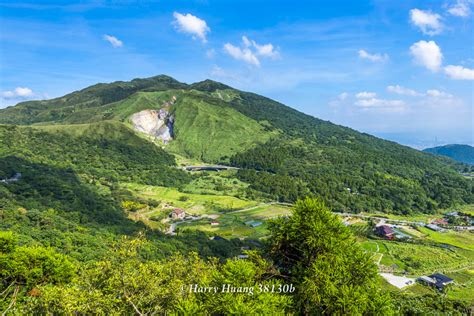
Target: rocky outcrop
{"type": "Point", "coordinates": [157, 123]}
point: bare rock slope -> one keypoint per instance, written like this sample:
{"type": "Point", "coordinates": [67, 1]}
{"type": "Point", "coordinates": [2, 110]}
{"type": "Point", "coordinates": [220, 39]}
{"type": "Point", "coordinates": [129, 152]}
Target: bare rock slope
{"type": "Point", "coordinates": [157, 123]}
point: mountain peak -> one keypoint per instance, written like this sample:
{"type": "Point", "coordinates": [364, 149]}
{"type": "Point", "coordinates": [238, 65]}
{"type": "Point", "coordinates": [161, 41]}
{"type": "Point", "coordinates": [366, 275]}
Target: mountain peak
{"type": "Point", "coordinates": [209, 85]}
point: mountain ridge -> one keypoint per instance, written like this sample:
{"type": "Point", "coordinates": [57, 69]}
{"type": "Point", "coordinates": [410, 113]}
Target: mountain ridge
{"type": "Point", "coordinates": [284, 154]}
{"type": "Point", "coordinates": [459, 152]}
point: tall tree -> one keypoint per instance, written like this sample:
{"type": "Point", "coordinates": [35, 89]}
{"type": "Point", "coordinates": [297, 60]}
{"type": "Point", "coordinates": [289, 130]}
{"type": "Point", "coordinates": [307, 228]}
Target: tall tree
{"type": "Point", "coordinates": [331, 273]}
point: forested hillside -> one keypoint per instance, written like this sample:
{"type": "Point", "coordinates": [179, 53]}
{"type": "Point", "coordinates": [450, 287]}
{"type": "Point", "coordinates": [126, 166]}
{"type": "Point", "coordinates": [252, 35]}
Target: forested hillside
{"type": "Point", "coordinates": [284, 154]}
{"type": "Point", "coordinates": [461, 153]}
{"type": "Point", "coordinates": [67, 194]}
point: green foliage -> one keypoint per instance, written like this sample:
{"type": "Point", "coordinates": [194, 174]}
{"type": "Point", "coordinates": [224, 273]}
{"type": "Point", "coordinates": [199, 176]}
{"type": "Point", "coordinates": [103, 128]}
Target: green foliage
{"type": "Point", "coordinates": [361, 175]}
{"type": "Point", "coordinates": [7, 242]}
{"type": "Point", "coordinates": [103, 150]}
{"type": "Point", "coordinates": [429, 304]}
{"type": "Point", "coordinates": [333, 275]}
{"type": "Point", "coordinates": [24, 268]}
{"type": "Point", "coordinates": [125, 284]}
{"type": "Point", "coordinates": [132, 206]}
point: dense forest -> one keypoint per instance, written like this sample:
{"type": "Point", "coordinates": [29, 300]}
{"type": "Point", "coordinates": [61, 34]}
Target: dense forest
{"type": "Point", "coordinates": [355, 181]}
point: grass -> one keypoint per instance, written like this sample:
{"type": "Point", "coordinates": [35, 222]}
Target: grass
{"type": "Point", "coordinates": [216, 183]}
{"type": "Point", "coordinates": [193, 203]}
{"type": "Point", "coordinates": [233, 225]}
{"type": "Point", "coordinates": [418, 259]}
{"type": "Point", "coordinates": [464, 287]}
{"type": "Point", "coordinates": [210, 130]}
{"type": "Point", "coordinates": [461, 239]}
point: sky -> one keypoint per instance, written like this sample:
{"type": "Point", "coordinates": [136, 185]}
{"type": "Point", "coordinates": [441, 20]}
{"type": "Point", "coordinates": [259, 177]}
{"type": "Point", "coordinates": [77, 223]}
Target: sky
{"type": "Point", "coordinates": [401, 70]}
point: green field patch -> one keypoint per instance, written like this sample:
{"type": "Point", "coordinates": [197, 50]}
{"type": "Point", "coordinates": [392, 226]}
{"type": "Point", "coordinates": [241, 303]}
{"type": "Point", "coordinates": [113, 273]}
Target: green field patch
{"type": "Point", "coordinates": [418, 259]}
{"type": "Point", "coordinates": [239, 224]}
{"type": "Point", "coordinates": [192, 203]}
{"type": "Point", "coordinates": [216, 183]}
{"type": "Point", "coordinates": [461, 239]}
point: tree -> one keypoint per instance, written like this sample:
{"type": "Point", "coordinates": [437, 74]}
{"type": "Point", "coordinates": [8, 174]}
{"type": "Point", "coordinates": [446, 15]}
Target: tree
{"type": "Point", "coordinates": [331, 273]}
{"type": "Point", "coordinates": [23, 269]}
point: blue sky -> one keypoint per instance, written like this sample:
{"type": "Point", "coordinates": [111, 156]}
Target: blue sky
{"type": "Point", "coordinates": [403, 70]}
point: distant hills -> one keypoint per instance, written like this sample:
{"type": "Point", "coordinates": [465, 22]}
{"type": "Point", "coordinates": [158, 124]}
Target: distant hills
{"type": "Point", "coordinates": [283, 154]}
{"type": "Point", "coordinates": [461, 153]}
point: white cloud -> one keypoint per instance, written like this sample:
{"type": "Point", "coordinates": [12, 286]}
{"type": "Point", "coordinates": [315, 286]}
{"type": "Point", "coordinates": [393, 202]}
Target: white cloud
{"type": "Point", "coordinates": [438, 94]}
{"type": "Point", "coordinates": [266, 50]}
{"type": "Point", "coordinates": [427, 54]}
{"type": "Point", "coordinates": [365, 95]}
{"type": "Point", "coordinates": [244, 54]}
{"type": "Point", "coordinates": [461, 9]}
{"type": "Point", "coordinates": [115, 42]}
{"type": "Point", "coordinates": [251, 50]}
{"type": "Point", "coordinates": [246, 41]}
{"type": "Point", "coordinates": [459, 72]}
{"type": "Point", "coordinates": [429, 23]}
{"type": "Point", "coordinates": [372, 57]}
{"type": "Point", "coordinates": [19, 92]}
{"type": "Point", "coordinates": [381, 104]}
{"type": "Point", "coordinates": [188, 23]}
{"type": "Point", "coordinates": [403, 91]}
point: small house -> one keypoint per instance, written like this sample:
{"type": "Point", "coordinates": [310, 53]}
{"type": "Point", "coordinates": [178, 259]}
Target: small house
{"type": "Point", "coordinates": [437, 280]}
{"type": "Point", "coordinates": [440, 221]}
{"type": "Point", "coordinates": [178, 213]}
{"type": "Point", "coordinates": [385, 231]}
{"type": "Point", "coordinates": [214, 223]}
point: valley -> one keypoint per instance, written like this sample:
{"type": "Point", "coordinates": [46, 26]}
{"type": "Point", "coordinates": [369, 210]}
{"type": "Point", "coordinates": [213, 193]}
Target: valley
{"type": "Point", "coordinates": [207, 171]}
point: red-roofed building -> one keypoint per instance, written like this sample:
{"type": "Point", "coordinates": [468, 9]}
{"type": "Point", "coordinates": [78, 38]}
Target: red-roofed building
{"type": "Point", "coordinates": [178, 213]}
{"type": "Point", "coordinates": [385, 231]}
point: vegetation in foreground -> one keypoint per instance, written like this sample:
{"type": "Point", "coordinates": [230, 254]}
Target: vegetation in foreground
{"type": "Point", "coordinates": [302, 253]}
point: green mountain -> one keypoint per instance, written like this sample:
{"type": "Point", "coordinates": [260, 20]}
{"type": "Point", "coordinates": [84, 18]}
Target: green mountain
{"type": "Point", "coordinates": [461, 153]}
{"type": "Point", "coordinates": [283, 154]}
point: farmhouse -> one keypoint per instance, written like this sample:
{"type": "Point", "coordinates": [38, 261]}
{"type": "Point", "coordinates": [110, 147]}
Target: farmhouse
{"type": "Point", "coordinates": [440, 221]}
{"type": "Point", "coordinates": [385, 231]}
{"type": "Point", "coordinates": [437, 279]}
{"type": "Point", "coordinates": [178, 213]}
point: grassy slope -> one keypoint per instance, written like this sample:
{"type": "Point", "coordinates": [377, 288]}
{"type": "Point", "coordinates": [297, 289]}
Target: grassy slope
{"type": "Point", "coordinates": [74, 107]}
{"type": "Point", "coordinates": [210, 131]}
